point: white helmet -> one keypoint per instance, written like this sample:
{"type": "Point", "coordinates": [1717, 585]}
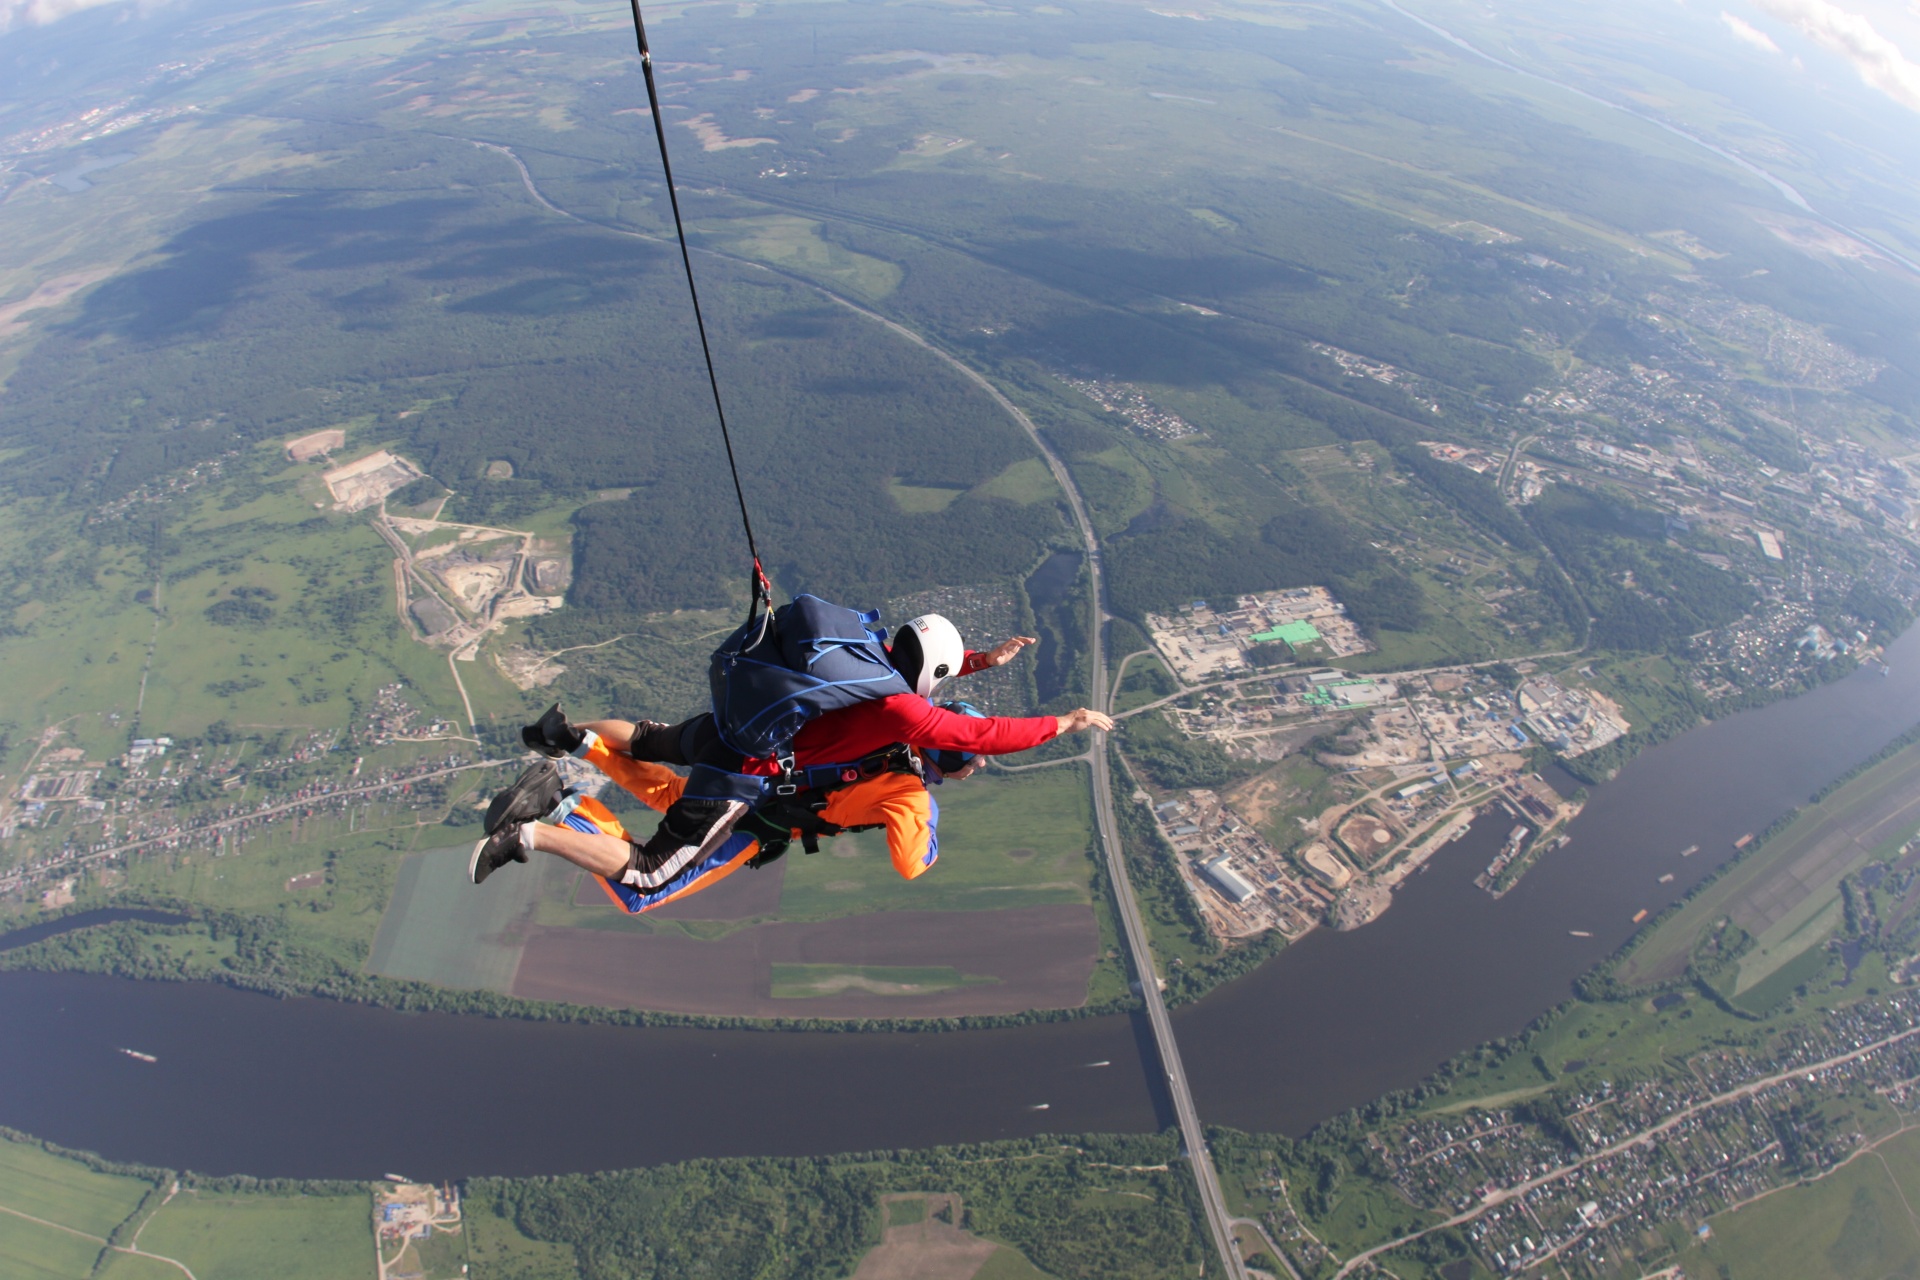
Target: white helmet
{"type": "Point", "coordinates": [926, 651]}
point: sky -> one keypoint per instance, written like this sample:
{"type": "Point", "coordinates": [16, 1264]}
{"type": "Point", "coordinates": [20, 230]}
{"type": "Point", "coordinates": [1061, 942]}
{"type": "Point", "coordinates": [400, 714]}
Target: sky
{"type": "Point", "coordinates": [1878, 39]}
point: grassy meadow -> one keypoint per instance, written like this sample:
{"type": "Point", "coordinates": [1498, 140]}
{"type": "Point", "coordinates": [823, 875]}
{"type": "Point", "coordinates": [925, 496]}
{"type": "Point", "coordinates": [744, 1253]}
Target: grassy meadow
{"type": "Point", "coordinates": [58, 1213]}
{"type": "Point", "coordinates": [1014, 840]}
{"type": "Point", "coordinates": [1855, 1221]}
{"type": "Point", "coordinates": [245, 1235]}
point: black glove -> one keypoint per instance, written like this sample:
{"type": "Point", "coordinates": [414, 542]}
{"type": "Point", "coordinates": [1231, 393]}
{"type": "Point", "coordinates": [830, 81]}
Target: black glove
{"type": "Point", "coordinates": [774, 837]}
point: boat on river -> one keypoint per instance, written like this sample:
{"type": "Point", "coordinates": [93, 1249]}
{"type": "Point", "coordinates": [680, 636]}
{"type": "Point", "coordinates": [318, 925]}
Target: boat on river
{"type": "Point", "coordinates": [138, 1056]}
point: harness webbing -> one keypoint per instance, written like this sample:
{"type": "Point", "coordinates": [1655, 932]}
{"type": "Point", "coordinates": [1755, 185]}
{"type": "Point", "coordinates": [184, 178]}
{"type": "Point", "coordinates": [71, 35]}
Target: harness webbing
{"type": "Point", "coordinates": [761, 590]}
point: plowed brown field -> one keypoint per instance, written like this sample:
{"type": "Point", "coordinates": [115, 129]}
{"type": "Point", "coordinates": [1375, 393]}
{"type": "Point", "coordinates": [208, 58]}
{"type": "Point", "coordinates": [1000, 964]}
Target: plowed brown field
{"type": "Point", "coordinates": [1042, 956]}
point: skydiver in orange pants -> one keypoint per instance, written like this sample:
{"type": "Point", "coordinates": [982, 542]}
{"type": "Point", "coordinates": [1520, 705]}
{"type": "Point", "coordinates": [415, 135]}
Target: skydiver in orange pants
{"type": "Point", "coordinates": [586, 833]}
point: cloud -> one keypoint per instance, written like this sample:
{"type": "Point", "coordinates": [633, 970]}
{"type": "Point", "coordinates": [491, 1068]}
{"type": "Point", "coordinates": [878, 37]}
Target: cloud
{"type": "Point", "coordinates": [38, 13]}
{"type": "Point", "coordinates": [1747, 33]}
{"type": "Point", "coordinates": [1879, 61]}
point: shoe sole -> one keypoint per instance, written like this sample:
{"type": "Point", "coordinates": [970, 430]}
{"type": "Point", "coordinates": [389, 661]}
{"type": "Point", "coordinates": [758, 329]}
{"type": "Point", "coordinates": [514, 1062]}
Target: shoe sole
{"type": "Point", "coordinates": [522, 801]}
{"type": "Point", "coordinates": [473, 862]}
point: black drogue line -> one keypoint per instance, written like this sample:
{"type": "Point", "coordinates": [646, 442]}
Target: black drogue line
{"type": "Point", "coordinates": [761, 590]}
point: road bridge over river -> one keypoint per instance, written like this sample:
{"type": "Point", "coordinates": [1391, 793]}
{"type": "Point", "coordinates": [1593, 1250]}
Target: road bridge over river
{"type": "Point", "coordinates": [1219, 1220]}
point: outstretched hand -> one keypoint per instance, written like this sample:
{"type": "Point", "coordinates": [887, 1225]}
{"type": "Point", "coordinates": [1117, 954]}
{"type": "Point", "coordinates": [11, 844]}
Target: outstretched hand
{"type": "Point", "coordinates": [1083, 718]}
{"type": "Point", "coordinates": [1001, 654]}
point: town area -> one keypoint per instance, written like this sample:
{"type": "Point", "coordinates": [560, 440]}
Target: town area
{"type": "Point", "coordinates": [1586, 1181]}
{"type": "Point", "coordinates": [1420, 756]}
{"type": "Point", "coordinates": [223, 791]}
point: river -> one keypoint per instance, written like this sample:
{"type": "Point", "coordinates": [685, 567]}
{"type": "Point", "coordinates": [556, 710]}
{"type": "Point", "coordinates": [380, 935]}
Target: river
{"type": "Point", "coordinates": [311, 1088]}
{"type": "Point", "coordinates": [1342, 1018]}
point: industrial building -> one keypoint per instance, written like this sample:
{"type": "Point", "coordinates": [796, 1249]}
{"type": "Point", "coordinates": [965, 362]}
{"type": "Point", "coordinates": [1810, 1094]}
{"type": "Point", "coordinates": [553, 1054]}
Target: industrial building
{"type": "Point", "coordinates": [1292, 634]}
{"type": "Point", "coordinates": [1228, 881]}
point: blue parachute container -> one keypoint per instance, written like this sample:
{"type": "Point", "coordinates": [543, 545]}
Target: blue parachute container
{"type": "Point", "coordinates": [814, 657]}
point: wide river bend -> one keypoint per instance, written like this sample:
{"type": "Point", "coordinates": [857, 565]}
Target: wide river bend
{"type": "Point", "coordinates": [311, 1088]}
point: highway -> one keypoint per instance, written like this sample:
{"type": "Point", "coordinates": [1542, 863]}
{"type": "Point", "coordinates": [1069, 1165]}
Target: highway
{"type": "Point", "coordinates": [1219, 1221]}
{"type": "Point", "coordinates": [1192, 1136]}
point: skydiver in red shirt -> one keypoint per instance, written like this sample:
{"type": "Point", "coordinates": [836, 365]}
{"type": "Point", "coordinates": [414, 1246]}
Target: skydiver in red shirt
{"type": "Point", "coordinates": [925, 651]}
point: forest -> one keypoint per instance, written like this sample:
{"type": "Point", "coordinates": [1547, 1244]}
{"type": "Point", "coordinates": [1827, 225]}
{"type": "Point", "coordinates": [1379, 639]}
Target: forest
{"type": "Point", "coordinates": [1100, 1208]}
{"type": "Point", "coordinates": [456, 320]}
{"type": "Point", "coordinates": [1647, 593]}
{"type": "Point", "coordinates": [1153, 571]}
{"type": "Point", "coordinates": [825, 416]}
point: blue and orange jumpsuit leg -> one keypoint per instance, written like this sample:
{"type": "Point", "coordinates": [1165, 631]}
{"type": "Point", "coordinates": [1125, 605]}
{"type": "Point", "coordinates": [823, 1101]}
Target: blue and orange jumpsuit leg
{"type": "Point", "coordinates": [657, 787]}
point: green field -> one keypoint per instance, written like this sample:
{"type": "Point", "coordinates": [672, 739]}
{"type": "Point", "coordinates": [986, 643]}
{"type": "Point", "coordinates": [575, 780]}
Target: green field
{"type": "Point", "coordinates": [921, 499]}
{"type": "Point", "coordinates": [1146, 680]}
{"type": "Point", "coordinates": [1008, 1264]}
{"type": "Point", "coordinates": [439, 928]}
{"type": "Point", "coordinates": [804, 981]}
{"type": "Point", "coordinates": [1785, 890]}
{"type": "Point", "coordinates": [1788, 941]}
{"type": "Point", "coordinates": [57, 1215]}
{"type": "Point", "coordinates": [322, 638]}
{"type": "Point", "coordinates": [63, 1191]}
{"type": "Point", "coordinates": [127, 1266]}
{"type": "Point", "coordinates": [247, 1236]}
{"type": "Point", "coordinates": [1856, 1223]}
{"type": "Point", "coordinates": [795, 244]}
{"type": "Point", "coordinates": [32, 1251]}
{"type": "Point", "coordinates": [1006, 840]}
{"type": "Point", "coordinates": [497, 1248]}
{"type": "Point", "coordinates": [1607, 1040]}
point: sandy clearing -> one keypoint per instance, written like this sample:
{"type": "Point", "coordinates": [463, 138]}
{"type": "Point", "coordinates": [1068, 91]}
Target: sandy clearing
{"type": "Point", "coordinates": [49, 293]}
{"type": "Point", "coordinates": [714, 138]}
{"type": "Point", "coordinates": [927, 1250]}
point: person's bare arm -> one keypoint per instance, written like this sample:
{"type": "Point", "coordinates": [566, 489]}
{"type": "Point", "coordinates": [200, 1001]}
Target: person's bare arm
{"type": "Point", "coordinates": [1083, 718]}
{"type": "Point", "coordinates": [1006, 651]}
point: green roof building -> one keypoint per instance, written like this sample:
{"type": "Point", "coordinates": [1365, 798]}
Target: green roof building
{"type": "Point", "coordinates": [1294, 634]}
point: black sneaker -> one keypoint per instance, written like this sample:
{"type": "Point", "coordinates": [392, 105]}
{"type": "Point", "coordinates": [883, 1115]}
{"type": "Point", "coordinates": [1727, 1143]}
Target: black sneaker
{"type": "Point", "coordinates": [532, 795]}
{"type": "Point", "coordinates": [494, 852]}
{"type": "Point", "coordinates": [551, 735]}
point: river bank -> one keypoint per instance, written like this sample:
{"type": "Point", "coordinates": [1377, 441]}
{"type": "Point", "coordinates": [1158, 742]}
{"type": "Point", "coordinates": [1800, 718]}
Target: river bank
{"type": "Point", "coordinates": [303, 1087]}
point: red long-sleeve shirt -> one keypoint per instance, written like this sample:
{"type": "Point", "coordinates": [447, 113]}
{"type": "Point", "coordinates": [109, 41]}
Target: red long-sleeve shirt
{"type": "Point", "coordinates": [855, 732]}
{"type": "Point", "coordinates": [867, 727]}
